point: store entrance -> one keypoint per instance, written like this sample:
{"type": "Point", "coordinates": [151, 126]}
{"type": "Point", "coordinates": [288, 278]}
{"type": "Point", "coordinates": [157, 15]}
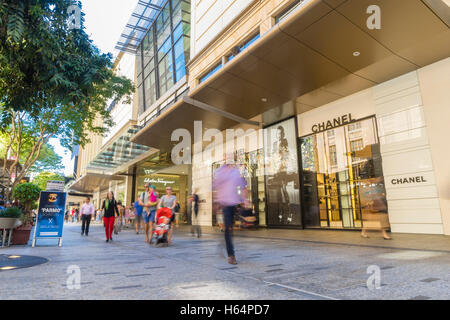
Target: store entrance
{"type": "Point", "coordinates": [342, 176]}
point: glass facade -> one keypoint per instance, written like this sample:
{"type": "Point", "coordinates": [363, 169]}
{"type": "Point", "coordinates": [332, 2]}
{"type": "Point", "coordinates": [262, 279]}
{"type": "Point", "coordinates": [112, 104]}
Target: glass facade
{"type": "Point", "coordinates": [251, 167]}
{"type": "Point", "coordinates": [343, 184]}
{"type": "Point", "coordinates": [164, 52]}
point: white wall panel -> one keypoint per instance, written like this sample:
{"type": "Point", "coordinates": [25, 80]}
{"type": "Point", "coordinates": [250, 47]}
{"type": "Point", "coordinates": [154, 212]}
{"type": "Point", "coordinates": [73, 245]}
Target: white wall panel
{"type": "Point", "coordinates": [212, 17]}
{"type": "Point", "coordinates": [412, 192]}
{"type": "Point", "coordinates": [423, 228]}
{"type": "Point", "coordinates": [407, 161]}
{"type": "Point", "coordinates": [413, 207]}
{"type": "Point", "coordinates": [416, 216]}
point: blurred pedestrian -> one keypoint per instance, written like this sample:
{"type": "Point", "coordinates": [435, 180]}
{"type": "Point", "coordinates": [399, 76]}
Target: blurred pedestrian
{"type": "Point", "coordinates": [229, 190]}
{"type": "Point", "coordinates": [195, 225]}
{"type": "Point", "coordinates": [110, 212]}
{"type": "Point", "coordinates": [127, 216]}
{"type": "Point", "coordinates": [87, 210]}
{"type": "Point", "coordinates": [119, 221]}
{"type": "Point", "coordinates": [138, 215]}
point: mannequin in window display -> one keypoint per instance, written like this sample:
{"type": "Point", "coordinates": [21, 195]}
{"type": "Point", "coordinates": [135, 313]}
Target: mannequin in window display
{"type": "Point", "coordinates": [280, 156]}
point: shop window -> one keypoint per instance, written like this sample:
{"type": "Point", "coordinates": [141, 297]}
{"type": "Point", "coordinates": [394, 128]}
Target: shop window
{"type": "Point", "coordinates": [282, 176]}
{"type": "Point", "coordinates": [357, 145]}
{"type": "Point", "coordinates": [211, 72]}
{"type": "Point", "coordinates": [346, 188]}
{"type": "Point", "coordinates": [333, 155]}
{"type": "Point", "coordinates": [354, 126]}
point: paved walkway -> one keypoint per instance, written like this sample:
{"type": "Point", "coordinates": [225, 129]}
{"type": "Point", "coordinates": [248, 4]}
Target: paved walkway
{"type": "Point", "coordinates": [352, 238]}
{"type": "Point", "coordinates": [269, 268]}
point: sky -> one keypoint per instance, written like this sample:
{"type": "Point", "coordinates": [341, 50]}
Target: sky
{"type": "Point", "coordinates": [104, 22]}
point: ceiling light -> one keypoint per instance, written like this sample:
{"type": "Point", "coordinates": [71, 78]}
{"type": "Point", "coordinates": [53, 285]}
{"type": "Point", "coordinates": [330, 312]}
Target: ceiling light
{"type": "Point", "coordinates": [264, 99]}
{"type": "Point", "coordinates": [356, 54]}
{"type": "Point", "coordinates": [14, 257]}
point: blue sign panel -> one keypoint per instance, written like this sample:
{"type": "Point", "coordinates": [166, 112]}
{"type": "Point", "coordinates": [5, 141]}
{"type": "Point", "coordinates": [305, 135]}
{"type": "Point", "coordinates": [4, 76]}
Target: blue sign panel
{"type": "Point", "coordinates": [50, 219]}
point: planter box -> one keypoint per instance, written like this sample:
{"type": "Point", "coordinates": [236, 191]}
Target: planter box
{"type": "Point", "coordinates": [9, 223]}
{"type": "Point", "coordinates": [21, 235]}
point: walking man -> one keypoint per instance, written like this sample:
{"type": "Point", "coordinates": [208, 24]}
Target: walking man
{"type": "Point", "coordinates": [229, 191]}
{"type": "Point", "coordinates": [87, 210]}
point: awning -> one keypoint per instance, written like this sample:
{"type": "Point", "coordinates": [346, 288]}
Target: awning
{"type": "Point", "coordinates": [322, 52]}
{"type": "Point", "coordinates": [117, 152]}
{"type": "Point", "coordinates": [91, 181]}
{"type": "Point", "coordinates": [138, 24]}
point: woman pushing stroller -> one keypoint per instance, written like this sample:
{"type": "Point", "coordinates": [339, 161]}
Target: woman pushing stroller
{"type": "Point", "coordinates": [168, 201]}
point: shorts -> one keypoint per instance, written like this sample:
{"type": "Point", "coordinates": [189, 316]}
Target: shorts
{"type": "Point", "coordinates": [138, 218]}
{"type": "Point", "coordinates": [150, 217]}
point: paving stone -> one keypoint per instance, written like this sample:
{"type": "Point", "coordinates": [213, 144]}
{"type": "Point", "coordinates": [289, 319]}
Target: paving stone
{"type": "Point", "coordinates": [313, 270]}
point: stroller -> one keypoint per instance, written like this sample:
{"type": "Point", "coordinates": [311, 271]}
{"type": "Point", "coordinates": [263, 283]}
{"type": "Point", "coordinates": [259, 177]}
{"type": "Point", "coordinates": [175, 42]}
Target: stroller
{"type": "Point", "coordinates": [161, 231]}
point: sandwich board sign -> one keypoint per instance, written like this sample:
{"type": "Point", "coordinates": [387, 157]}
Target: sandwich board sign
{"type": "Point", "coordinates": [50, 219]}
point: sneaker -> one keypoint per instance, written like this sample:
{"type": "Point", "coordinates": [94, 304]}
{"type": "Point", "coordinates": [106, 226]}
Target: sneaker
{"type": "Point", "coordinates": [107, 240]}
{"type": "Point", "coordinates": [232, 260]}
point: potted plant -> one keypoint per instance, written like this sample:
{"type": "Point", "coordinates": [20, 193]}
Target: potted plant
{"type": "Point", "coordinates": [27, 194]}
{"type": "Point", "coordinates": [10, 218]}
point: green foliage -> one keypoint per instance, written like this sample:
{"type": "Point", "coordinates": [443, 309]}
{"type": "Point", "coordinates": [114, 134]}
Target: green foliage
{"type": "Point", "coordinates": [41, 179]}
{"type": "Point", "coordinates": [26, 192]}
{"type": "Point", "coordinates": [54, 83]}
{"type": "Point", "coordinates": [48, 159]}
{"type": "Point", "coordinates": [13, 212]}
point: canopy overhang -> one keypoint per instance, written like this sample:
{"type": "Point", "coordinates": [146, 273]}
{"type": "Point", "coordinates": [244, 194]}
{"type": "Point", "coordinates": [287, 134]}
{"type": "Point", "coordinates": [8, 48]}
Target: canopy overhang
{"type": "Point", "coordinates": [92, 181]}
{"type": "Point", "coordinates": [118, 151]}
{"type": "Point", "coordinates": [322, 52]}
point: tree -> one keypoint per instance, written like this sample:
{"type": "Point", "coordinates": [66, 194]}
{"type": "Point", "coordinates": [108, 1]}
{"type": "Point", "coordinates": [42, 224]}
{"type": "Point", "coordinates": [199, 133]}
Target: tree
{"type": "Point", "coordinates": [42, 178]}
{"type": "Point", "coordinates": [47, 160]}
{"type": "Point", "coordinates": [53, 81]}
{"type": "Point", "coordinates": [27, 194]}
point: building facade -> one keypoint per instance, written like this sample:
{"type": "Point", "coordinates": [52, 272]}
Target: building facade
{"type": "Point", "coordinates": [154, 49]}
{"type": "Point", "coordinates": [335, 111]}
{"type": "Point", "coordinates": [343, 120]}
